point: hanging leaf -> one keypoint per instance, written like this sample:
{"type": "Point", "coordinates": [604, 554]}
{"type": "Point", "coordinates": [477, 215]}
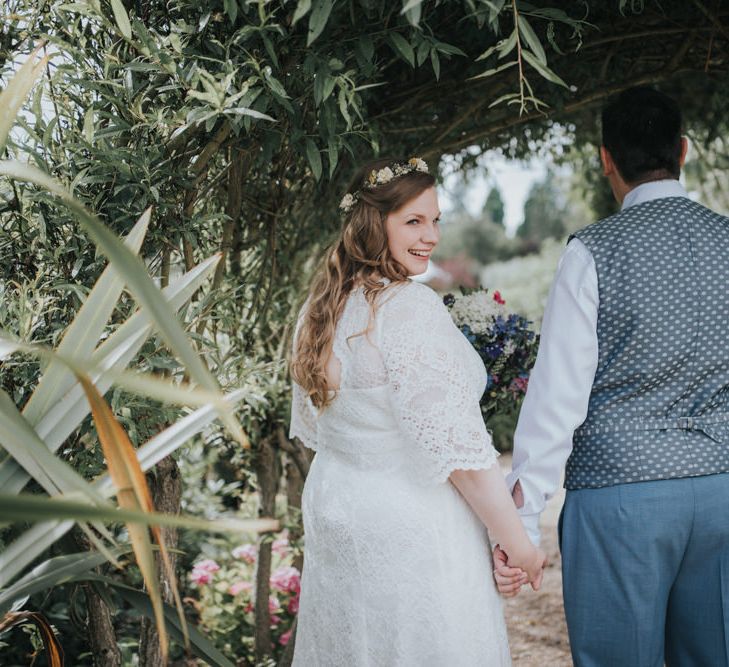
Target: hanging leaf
{"type": "Point", "coordinates": [12, 98]}
{"type": "Point", "coordinates": [543, 69]}
{"type": "Point", "coordinates": [231, 9]}
{"type": "Point", "coordinates": [318, 19]}
{"type": "Point", "coordinates": [366, 48]}
{"type": "Point", "coordinates": [449, 49]}
{"type": "Point", "coordinates": [422, 52]}
{"type": "Point", "coordinates": [495, 70]}
{"type": "Point", "coordinates": [302, 9]}
{"type": "Point", "coordinates": [333, 155]}
{"type": "Point", "coordinates": [413, 10]}
{"type": "Point", "coordinates": [435, 62]}
{"type": "Point", "coordinates": [505, 46]}
{"type": "Point", "coordinates": [403, 48]}
{"type": "Point", "coordinates": [122, 18]}
{"type": "Point", "coordinates": [527, 32]}
{"type": "Point", "coordinates": [314, 158]}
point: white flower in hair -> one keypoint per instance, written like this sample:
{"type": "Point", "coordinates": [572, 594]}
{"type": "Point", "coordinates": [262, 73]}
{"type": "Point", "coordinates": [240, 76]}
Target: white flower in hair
{"type": "Point", "coordinates": [418, 164]}
{"type": "Point", "coordinates": [381, 176]}
{"type": "Point", "coordinates": [347, 202]}
{"type": "Point", "coordinates": [384, 175]}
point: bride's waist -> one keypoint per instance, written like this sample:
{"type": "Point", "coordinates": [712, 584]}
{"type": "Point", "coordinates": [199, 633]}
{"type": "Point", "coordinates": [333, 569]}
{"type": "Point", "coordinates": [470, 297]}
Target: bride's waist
{"type": "Point", "coordinates": [366, 454]}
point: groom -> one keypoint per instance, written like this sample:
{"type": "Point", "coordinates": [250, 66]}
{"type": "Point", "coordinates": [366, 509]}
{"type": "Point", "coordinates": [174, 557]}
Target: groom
{"type": "Point", "coordinates": [631, 390]}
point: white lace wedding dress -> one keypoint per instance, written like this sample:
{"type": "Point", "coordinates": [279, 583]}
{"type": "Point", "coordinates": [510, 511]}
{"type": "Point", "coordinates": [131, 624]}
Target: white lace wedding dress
{"type": "Point", "coordinates": [397, 567]}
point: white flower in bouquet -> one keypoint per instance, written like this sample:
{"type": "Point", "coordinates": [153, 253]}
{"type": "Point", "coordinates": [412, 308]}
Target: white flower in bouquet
{"type": "Point", "coordinates": [477, 310]}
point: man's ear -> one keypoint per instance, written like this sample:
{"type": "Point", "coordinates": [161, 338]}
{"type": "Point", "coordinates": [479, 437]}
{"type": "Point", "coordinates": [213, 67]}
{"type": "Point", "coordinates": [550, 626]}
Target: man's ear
{"type": "Point", "coordinates": [684, 150]}
{"type": "Point", "coordinates": [608, 166]}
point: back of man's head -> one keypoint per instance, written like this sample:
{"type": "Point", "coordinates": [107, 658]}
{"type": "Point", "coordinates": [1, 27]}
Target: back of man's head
{"type": "Point", "coordinates": [641, 128]}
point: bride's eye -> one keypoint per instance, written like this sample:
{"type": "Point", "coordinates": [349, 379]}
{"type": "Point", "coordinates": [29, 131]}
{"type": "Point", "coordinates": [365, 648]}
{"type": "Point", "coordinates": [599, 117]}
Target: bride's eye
{"type": "Point", "coordinates": [412, 221]}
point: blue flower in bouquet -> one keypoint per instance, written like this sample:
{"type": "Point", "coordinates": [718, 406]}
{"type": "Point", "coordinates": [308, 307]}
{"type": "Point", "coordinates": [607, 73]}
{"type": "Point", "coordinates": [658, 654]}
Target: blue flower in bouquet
{"type": "Point", "coordinates": [493, 351]}
{"type": "Point", "coordinates": [504, 341]}
{"type": "Point", "coordinates": [466, 331]}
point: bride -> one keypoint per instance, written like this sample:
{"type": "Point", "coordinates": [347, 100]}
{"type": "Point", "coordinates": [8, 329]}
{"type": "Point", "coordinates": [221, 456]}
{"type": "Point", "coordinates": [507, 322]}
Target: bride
{"type": "Point", "coordinates": [405, 480]}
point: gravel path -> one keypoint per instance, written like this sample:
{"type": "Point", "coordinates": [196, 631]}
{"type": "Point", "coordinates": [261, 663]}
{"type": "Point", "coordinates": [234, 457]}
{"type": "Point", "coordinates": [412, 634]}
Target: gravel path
{"type": "Point", "coordinates": [537, 630]}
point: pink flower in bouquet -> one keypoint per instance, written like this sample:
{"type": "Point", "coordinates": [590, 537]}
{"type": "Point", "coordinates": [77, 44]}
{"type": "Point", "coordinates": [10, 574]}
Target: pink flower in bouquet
{"type": "Point", "coordinates": [280, 546]}
{"type": "Point", "coordinates": [498, 298]}
{"type": "Point", "coordinates": [519, 384]}
{"type": "Point", "coordinates": [285, 638]}
{"type": "Point", "coordinates": [246, 552]}
{"type": "Point", "coordinates": [293, 606]}
{"type": "Point", "coordinates": [207, 565]}
{"type": "Point", "coordinates": [287, 579]}
{"type": "Point", "coordinates": [239, 587]}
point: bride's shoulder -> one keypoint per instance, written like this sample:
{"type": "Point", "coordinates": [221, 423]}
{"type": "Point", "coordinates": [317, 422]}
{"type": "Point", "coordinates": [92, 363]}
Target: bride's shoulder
{"type": "Point", "coordinates": [409, 295]}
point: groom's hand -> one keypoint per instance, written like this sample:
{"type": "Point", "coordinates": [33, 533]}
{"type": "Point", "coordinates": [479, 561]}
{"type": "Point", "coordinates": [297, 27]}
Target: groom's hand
{"type": "Point", "coordinates": [509, 580]}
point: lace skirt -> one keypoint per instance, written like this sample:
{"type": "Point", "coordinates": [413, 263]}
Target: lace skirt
{"type": "Point", "coordinates": [396, 573]}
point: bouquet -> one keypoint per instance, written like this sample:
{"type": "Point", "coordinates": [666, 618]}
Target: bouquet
{"type": "Point", "coordinates": [505, 342]}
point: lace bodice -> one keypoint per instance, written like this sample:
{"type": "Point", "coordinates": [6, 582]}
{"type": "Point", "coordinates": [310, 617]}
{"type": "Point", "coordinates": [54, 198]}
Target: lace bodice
{"type": "Point", "coordinates": [408, 372]}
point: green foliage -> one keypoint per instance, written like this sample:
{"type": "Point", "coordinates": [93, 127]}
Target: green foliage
{"type": "Point", "coordinates": [545, 214]}
{"type": "Point", "coordinates": [493, 208]}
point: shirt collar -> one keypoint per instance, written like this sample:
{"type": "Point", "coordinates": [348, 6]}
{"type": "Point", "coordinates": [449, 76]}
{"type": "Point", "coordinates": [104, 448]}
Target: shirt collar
{"type": "Point", "coordinates": [653, 190]}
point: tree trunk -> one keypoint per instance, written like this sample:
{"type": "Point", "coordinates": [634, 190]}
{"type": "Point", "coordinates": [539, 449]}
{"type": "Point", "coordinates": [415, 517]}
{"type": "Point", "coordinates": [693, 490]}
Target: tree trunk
{"type": "Point", "coordinates": [100, 628]}
{"type": "Point", "coordinates": [267, 473]}
{"type": "Point", "coordinates": [99, 624]}
{"type": "Point", "coordinates": [297, 465]}
{"type": "Point", "coordinates": [166, 487]}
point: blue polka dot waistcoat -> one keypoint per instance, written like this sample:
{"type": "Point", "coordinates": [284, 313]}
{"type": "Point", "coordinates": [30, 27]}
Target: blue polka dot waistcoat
{"type": "Point", "coordinates": [659, 406]}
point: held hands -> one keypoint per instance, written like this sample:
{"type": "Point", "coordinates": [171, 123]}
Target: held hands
{"type": "Point", "coordinates": [510, 578]}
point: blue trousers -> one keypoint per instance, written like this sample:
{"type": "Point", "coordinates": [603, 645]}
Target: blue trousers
{"type": "Point", "coordinates": [646, 573]}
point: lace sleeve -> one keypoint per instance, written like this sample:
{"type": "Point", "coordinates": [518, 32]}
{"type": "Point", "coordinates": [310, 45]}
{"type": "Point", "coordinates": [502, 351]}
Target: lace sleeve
{"type": "Point", "coordinates": [436, 384]}
{"type": "Point", "coordinates": [303, 418]}
{"type": "Point", "coordinates": [303, 413]}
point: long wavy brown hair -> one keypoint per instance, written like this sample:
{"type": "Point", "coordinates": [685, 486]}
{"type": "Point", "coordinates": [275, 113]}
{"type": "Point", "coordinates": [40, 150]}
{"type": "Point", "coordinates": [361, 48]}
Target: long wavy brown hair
{"type": "Point", "coordinates": [359, 256]}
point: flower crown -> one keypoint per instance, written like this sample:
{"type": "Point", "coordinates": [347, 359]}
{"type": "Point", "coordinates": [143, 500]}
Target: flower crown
{"type": "Point", "coordinates": [380, 177]}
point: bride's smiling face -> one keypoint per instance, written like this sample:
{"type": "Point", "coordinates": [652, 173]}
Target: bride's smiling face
{"type": "Point", "coordinates": [413, 233]}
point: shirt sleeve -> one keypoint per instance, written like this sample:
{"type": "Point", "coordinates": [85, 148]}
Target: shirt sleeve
{"type": "Point", "coordinates": [434, 384]}
{"type": "Point", "coordinates": [559, 388]}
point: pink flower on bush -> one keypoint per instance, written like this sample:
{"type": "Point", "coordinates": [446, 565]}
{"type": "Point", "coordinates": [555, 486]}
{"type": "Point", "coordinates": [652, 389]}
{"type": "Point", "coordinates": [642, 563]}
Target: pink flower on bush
{"type": "Point", "coordinates": [280, 546]}
{"type": "Point", "coordinates": [273, 604]}
{"type": "Point", "coordinates": [293, 606]}
{"type": "Point", "coordinates": [286, 579]}
{"type": "Point", "coordinates": [200, 578]}
{"type": "Point", "coordinates": [207, 565]}
{"type": "Point", "coordinates": [239, 587]}
{"type": "Point", "coordinates": [275, 620]}
{"type": "Point", "coordinates": [285, 638]}
{"type": "Point", "coordinates": [246, 552]}
{"type": "Point", "coordinates": [202, 572]}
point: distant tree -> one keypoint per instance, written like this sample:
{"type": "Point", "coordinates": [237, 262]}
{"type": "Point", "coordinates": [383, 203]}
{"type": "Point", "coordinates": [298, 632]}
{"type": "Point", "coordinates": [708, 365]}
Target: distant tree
{"type": "Point", "coordinates": [545, 214]}
{"type": "Point", "coordinates": [493, 208]}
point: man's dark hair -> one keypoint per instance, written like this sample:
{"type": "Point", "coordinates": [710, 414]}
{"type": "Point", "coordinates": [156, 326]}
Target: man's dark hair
{"type": "Point", "coordinates": [641, 128]}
